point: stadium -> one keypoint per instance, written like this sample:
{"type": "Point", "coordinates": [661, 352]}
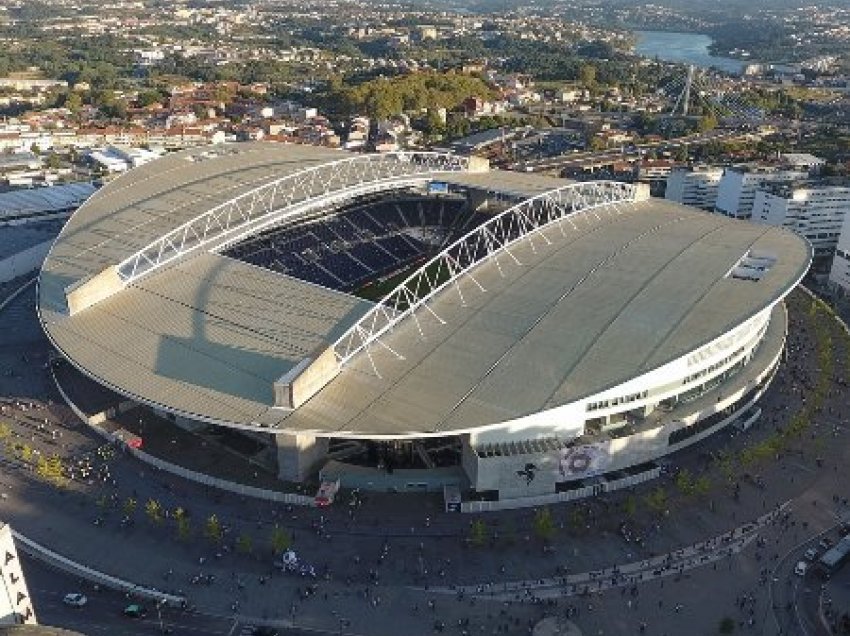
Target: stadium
{"type": "Point", "coordinates": [416, 320]}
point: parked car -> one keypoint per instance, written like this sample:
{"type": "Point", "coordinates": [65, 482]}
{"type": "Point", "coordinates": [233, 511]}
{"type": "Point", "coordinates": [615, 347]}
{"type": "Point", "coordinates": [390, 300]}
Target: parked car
{"type": "Point", "coordinates": [135, 610]}
{"type": "Point", "coordinates": [825, 543]}
{"type": "Point", "coordinates": [811, 554]}
{"type": "Point", "coordinates": [801, 568]}
{"type": "Point", "coordinates": [75, 599]}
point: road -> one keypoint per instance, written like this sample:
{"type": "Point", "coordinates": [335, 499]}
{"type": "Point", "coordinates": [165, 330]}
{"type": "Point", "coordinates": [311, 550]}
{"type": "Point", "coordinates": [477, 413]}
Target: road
{"type": "Point", "coordinates": [796, 599]}
{"type": "Point", "coordinates": [103, 613]}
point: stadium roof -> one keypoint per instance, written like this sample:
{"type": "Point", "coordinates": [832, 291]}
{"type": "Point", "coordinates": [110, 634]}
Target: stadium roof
{"type": "Point", "coordinates": [597, 308]}
{"type": "Point", "coordinates": [38, 201]}
{"type": "Point", "coordinates": [208, 336]}
{"type": "Point", "coordinates": [515, 184]}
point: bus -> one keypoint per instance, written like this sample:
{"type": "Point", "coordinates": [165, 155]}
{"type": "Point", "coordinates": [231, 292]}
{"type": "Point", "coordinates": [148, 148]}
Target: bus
{"type": "Point", "coordinates": [832, 560]}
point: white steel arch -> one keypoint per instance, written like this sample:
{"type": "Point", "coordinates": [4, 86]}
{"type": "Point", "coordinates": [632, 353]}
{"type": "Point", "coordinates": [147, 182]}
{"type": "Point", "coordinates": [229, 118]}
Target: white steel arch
{"type": "Point", "coordinates": [486, 241]}
{"type": "Point", "coordinates": [287, 197]}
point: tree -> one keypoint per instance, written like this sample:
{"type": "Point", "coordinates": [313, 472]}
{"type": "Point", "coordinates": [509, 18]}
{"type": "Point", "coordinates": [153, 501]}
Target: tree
{"type": "Point", "coordinates": [244, 544]}
{"type": "Point", "coordinates": [129, 506]}
{"type": "Point", "coordinates": [630, 506]}
{"type": "Point", "coordinates": [51, 469]}
{"type": "Point", "coordinates": [587, 75]}
{"type": "Point", "coordinates": [281, 540]}
{"type": "Point", "coordinates": [706, 123]}
{"type": "Point", "coordinates": [657, 499]}
{"type": "Point", "coordinates": [102, 502]}
{"type": "Point", "coordinates": [702, 485]}
{"type": "Point", "coordinates": [153, 509]}
{"type": "Point", "coordinates": [597, 143]}
{"type": "Point", "coordinates": [478, 533]}
{"type": "Point", "coordinates": [74, 102]}
{"type": "Point", "coordinates": [544, 525]}
{"type": "Point", "coordinates": [213, 530]}
{"type": "Point", "coordinates": [184, 528]}
{"type": "Point", "coordinates": [148, 98]}
{"type": "Point", "coordinates": [684, 482]}
{"type": "Point", "coordinates": [727, 625]}
{"type": "Point", "coordinates": [53, 161]}
{"type": "Point", "coordinates": [26, 453]}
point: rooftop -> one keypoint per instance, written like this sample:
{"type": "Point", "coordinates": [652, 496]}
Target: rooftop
{"type": "Point", "coordinates": [594, 304]}
{"type": "Point", "coordinates": [36, 201]}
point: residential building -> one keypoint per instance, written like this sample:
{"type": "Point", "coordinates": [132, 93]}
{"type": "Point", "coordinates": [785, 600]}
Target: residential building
{"type": "Point", "coordinates": [815, 211]}
{"type": "Point", "coordinates": [695, 186]}
{"type": "Point", "coordinates": [839, 275]}
{"type": "Point", "coordinates": [737, 189]}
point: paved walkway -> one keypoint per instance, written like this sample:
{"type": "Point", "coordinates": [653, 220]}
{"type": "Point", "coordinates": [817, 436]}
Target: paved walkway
{"type": "Point", "coordinates": [393, 557]}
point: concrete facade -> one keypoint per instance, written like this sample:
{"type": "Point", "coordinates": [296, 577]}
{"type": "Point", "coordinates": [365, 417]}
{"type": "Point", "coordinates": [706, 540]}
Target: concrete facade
{"type": "Point", "coordinates": [298, 456]}
{"type": "Point", "coordinates": [737, 189]}
{"type": "Point", "coordinates": [839, 275]}
{"type": "Point", "coordinates": [518, 470]}
{"type": "Point", "coordinates": [694, 185]}
{"type": "Point", "coordinates": [815, 212]}
{"type": "Point", "coordinates": [92, 290]}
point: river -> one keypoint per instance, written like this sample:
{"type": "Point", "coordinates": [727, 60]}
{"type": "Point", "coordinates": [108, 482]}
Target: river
{"type": "Point", "coordinates": [687, 48]}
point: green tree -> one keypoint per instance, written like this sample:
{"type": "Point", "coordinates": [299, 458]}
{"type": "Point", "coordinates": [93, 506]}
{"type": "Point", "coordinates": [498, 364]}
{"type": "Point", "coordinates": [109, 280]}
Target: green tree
{"type": "Point", "coordinates": [727, 625]}
{"type": "Point", "coordinates": [26, 453]}
{"type": "Point", "coordinates": [630, 506]}
{"type": "Point", "coordinates": [587, 75]}
{"type": "Point", "coordinates": [153, 509]}
{"type": "Point", "coordinates": [281, 540]}
{"type": "Point", "coordinates": [184, 527]}
{"type": "Point", "coordinates": [596, 143]}
{"type": "Point", "coordinates": [244, 543]}
{"type": "Point", "coordinates": [129, 506]}
{"type": "Point", "coordinates": [544, 524]}
{"type": "Point", "coordinates": [213, 530]}
{"type": "Point", "coordinates": [74, 102]}
{"type": "Point", "coordinates": [702, 485]}
{"type": "Point", "coordinates": [53, 161]}
{"type": "Point", "coordinates": [478, 533]}
{"type": "Point", "coordinates": [706, 123]}
{"type": "Point", "coordinates": [51, 469]}
{"type": "Point", "coordinates": [148, 98]}
{"type": "Point", "coordinates": [657, 500]}
{"type": "Point", "coordinates": [102, 502]}
{"type": "Point", "coordinates": [685, 482]}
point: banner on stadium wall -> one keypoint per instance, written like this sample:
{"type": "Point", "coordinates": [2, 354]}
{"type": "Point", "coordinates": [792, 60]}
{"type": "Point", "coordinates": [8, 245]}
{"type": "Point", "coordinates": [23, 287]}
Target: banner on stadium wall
{"type": "Point", "coordinates": [579, 462]}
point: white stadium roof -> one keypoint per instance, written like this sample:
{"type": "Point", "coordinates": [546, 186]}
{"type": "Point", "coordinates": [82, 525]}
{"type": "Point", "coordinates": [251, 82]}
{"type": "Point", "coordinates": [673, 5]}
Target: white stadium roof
{"type": "Point", "coordinates": [594, 302]}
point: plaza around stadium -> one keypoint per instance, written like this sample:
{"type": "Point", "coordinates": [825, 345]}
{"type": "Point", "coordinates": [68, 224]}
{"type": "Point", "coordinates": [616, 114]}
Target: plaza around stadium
{"type": "Point", "coordinates": [414, 321]}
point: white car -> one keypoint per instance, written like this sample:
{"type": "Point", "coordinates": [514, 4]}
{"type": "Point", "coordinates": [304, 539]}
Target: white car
{"type": "Point", "coordinates": [801, 568]}
{"type": "Point", "coordinates": [75, 600]}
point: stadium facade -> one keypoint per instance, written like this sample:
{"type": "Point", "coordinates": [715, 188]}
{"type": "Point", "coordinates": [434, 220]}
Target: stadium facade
{"type": "Point", "coordinates": [412, 320]}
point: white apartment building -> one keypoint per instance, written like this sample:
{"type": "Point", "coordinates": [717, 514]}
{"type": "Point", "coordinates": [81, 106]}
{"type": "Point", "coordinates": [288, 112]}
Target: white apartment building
{"type": "Point", "coordinates": [695, 186]}
{"type": "Point", "coordinates": [813, 211]}
{"type": "Point", "coordinates": [737, 190]}
{"type": "Point", "coordinates": [839, 275]}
